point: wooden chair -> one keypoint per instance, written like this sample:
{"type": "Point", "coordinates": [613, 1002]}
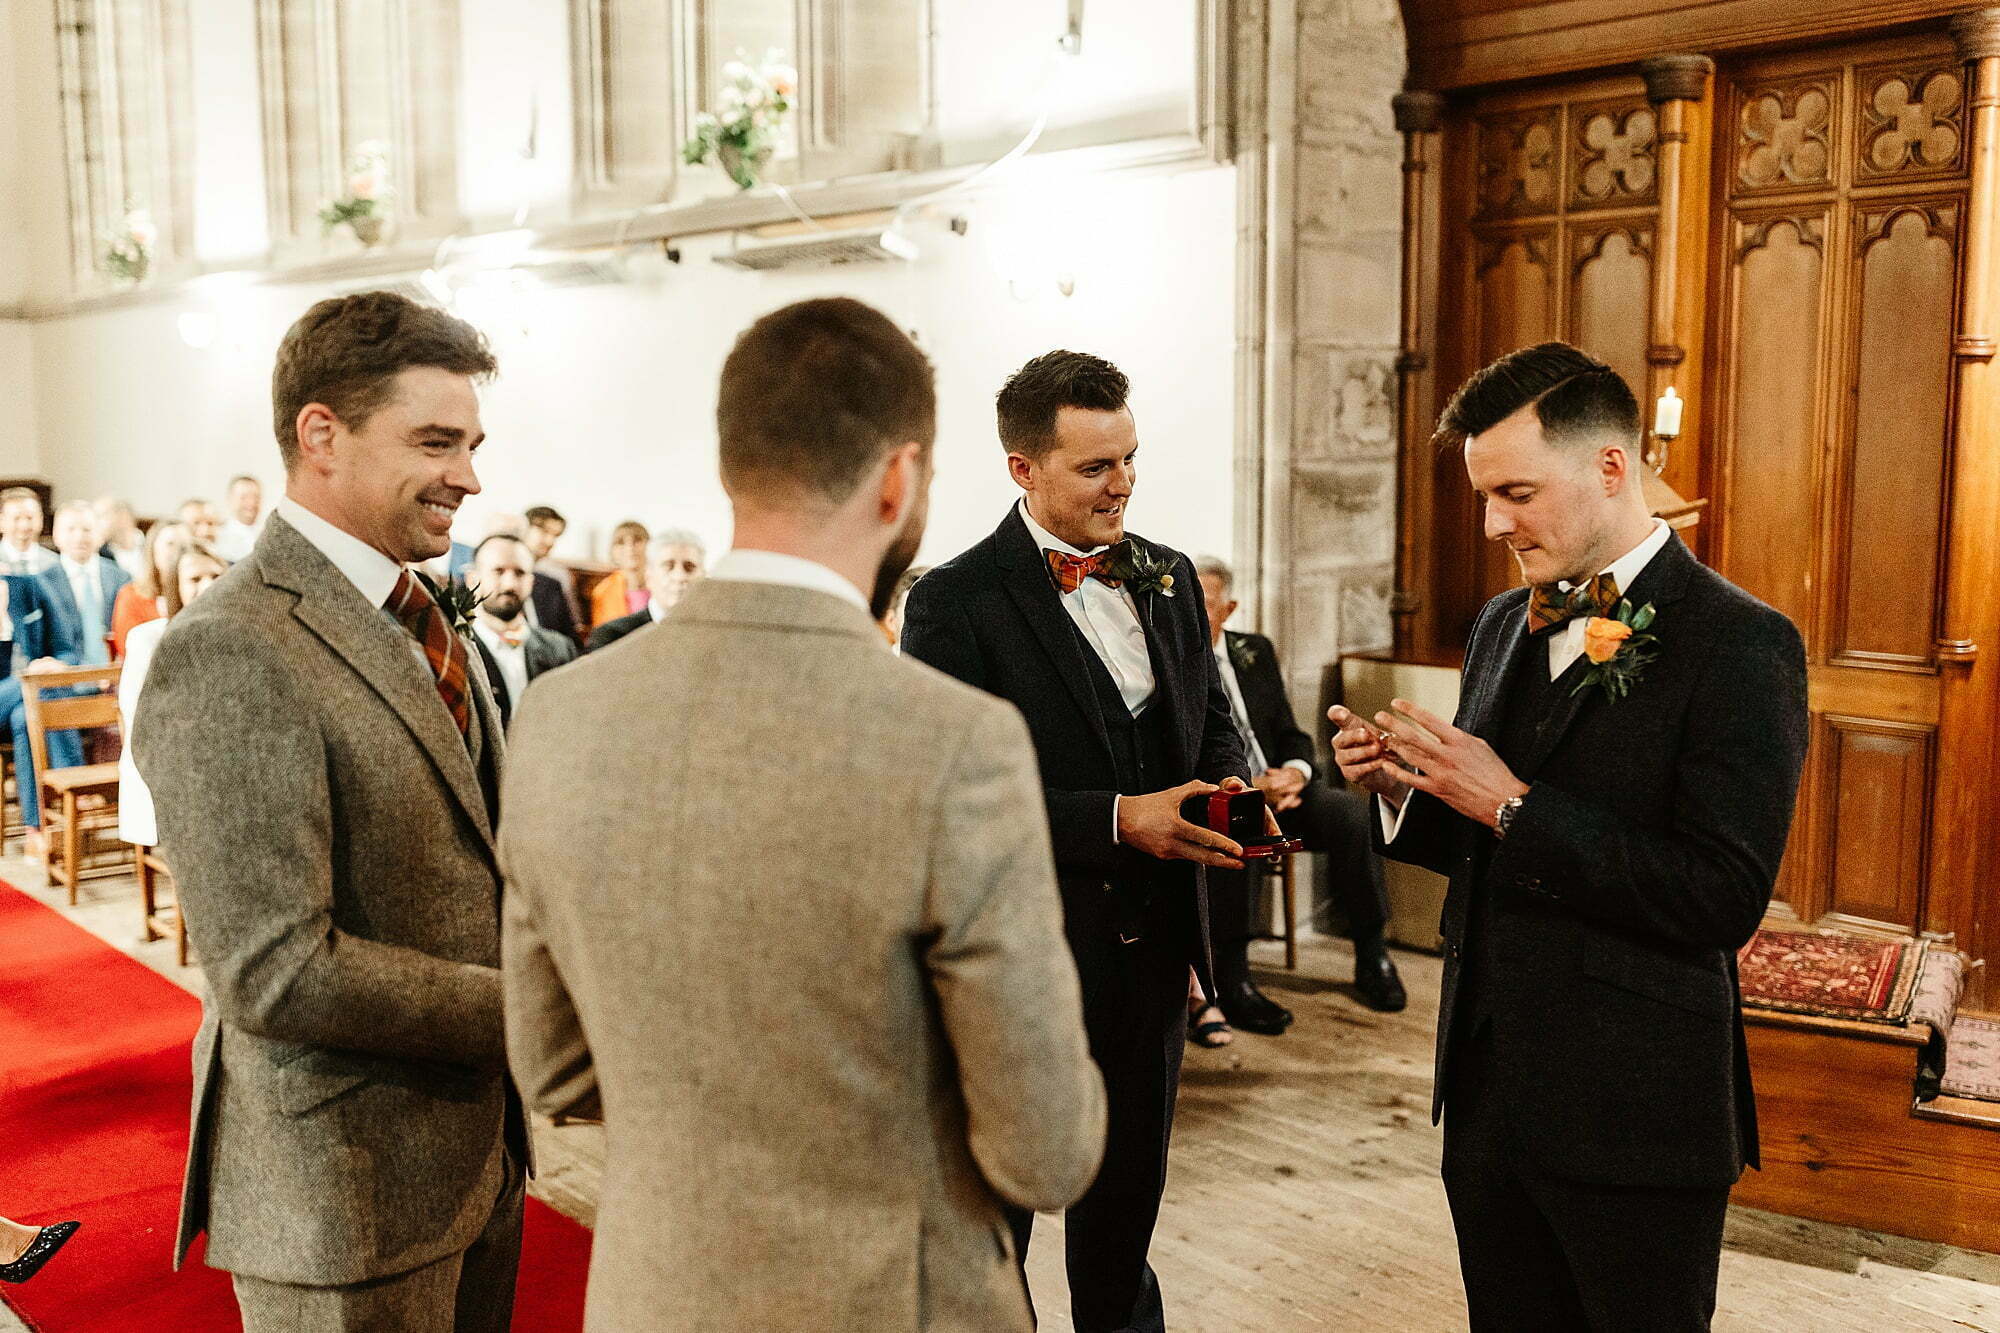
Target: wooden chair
{"type": "Point", "coordinates": [158, 920]}
{"type": "Point", "coordinates": [11, 826]}
{"type": "Point", "coordinates": [1288, 899]}
{"type": "Point", "coordinates": [70, 819]}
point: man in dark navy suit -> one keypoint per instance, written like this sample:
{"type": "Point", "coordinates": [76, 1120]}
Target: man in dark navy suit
{"type": "Point", "coordinates": [31, 641]}
{"type": "Point", "coordinates": [1100, 640]}
{"type": "Point", "coordinates": [1610, 805]}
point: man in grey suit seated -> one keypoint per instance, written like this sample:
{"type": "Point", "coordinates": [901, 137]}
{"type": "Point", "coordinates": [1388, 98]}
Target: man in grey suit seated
{"type": "Point", "coordinates": [325, 759]}
{"type": "Point", "coordinates": [891, 1038]}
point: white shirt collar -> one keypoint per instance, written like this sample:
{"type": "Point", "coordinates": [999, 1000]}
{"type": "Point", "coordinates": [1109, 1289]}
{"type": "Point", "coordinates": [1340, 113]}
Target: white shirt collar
{"type": "Point", "coordinates": [491, 638]}
{"type": "Point", "coordinates": [1627, 568]}
{"type": "Point", "coordinates": [373, 574]}
{"type": "Point", "coordinates": [1047, 540]}
{"type": "Point", "coordinates": [751, 566]}
{"type": "Point", "coordinates": [86, 570]}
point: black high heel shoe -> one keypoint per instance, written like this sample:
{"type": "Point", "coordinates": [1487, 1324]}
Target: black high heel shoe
{"type": "Point", "coordinates": [40, 1250]}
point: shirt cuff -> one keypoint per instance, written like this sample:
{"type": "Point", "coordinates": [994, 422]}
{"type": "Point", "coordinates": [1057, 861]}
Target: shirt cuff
{"type": "Point", "coordinates": [1114, 819]}
{"type": "Point", "coordinates": [1392, 817]}
{"type": "Point", "coordinates": [1302, 766]}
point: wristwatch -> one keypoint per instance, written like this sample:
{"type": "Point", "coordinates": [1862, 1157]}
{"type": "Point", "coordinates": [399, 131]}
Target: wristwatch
{"type": "Point", "coordinates": [1503, 817]}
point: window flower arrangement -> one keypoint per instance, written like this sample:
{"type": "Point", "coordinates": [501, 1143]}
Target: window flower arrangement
{"type": "Point", "coordinates": [742, 132]}
{"type": "Point", "coordinates": [129, 256]}
{"type": "Point", "coordinates": [364, 209]}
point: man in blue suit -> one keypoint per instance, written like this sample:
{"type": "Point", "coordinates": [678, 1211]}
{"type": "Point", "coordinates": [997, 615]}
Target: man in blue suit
{"type": "Point", "coordinates": [27, 645]}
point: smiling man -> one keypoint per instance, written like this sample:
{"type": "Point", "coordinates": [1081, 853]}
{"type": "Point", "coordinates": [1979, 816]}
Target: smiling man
{"type": "Point", "coordinates": [1610, 805]}
{"type": "Point", "coordinates": [325, 761]}
{"type": "Point", "coordinates": [1099, 638]}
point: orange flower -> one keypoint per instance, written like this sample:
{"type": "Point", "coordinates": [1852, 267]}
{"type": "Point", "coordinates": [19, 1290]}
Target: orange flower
{"type": "Point", "coordinates": [1603, 638]}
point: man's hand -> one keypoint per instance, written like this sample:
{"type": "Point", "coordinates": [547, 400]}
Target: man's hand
{"type": "Point", "coordinates": [1152, 824]}
{"type": "Point", "coordinates": [1455, 766]}
{"type": "Point", "coordinates": [1281, 786]}
{"type": "Point", "coordinates": [1358, 749]}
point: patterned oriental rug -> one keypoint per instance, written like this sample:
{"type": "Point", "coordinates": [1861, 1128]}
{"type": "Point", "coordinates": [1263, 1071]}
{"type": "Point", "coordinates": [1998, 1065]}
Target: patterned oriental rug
{"type": "Point", "coordinates": [1831, 976]}
{"type": "Point", "coordinates": [1974, 1070]}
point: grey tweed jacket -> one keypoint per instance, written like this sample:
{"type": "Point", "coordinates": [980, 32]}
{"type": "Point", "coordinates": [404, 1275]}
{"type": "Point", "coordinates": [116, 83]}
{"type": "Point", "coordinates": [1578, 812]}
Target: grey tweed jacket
{"type": "Point", "coordinates": [781, 908]}
{"type": "Point", "coordinates": [331, 836]}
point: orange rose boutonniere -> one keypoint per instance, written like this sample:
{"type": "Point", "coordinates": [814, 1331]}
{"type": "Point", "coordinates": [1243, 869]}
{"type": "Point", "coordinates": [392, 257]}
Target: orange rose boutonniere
{"type": "Point", "coordinates": [1618, 648]}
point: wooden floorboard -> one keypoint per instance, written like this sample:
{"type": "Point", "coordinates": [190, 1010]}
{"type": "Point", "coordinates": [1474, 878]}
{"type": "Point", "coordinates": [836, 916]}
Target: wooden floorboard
{"type": "Point", "coordinates": [1304, 1191]}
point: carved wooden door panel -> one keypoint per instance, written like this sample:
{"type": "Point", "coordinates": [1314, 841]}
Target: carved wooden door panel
{"type": "Point", "coordinates": [1843, 180]}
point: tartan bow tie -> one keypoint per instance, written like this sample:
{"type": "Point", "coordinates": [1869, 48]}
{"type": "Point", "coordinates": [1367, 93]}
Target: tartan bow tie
{"type": "Point", "coordinates": [412, 604]}
{"type": "Point", "coordinates": [513, 635]}
{"type": "Point", "coordinates": [1069, 571]}
{"type": "Point", "coordinates": [1549, 606]}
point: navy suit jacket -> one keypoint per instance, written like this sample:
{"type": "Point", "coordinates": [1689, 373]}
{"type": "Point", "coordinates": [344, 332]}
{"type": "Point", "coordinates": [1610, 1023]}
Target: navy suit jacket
{"type": "Point", "coordinates": [65, 616]}
{"type": "Point", "coordinates": [992, 617]}
{"type": "Point", "coordinates": [28, 610]}
{"type": "Point", "coordinates": [1641, 859]}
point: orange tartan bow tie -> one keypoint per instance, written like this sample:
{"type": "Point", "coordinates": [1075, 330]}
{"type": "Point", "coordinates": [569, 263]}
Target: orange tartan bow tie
{"type": "Point", "coordinates": [1549, 606]}
{"type": "Point", "coordinates": [513, 635]}
{"type": "Point", "coordinates": [412, 604]}
{"type": "Point", "coordinates": [1069, 571]}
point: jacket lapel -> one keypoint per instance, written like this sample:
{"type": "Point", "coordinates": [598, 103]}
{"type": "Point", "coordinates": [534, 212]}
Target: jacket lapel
{"type": "Point", "coordinates": [1027, 582]}
{"type": "Point", "coordinates": [1482, 715]}
{"type": "Point", "coordinates": [380, 654]}
{"type": "Point", "coordinates": [1168, 685]}
{"type": "Point", "coordinates": [1662, 582]}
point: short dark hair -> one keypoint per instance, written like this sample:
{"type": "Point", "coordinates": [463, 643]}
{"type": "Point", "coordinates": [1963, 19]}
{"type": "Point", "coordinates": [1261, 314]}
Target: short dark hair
{"type": "Point", "coordinates": [1033, 396]}
{"type": "Point", "coordinates": [813, 395]}
{"type": "Point", "coordinates": [1575, 396]}
{"type": "Point", "coordinates": [492, 537]}
{"type": "Point", "coordinates": [346, 352]}
{"type": "Point", "coordinates": [541, 514]}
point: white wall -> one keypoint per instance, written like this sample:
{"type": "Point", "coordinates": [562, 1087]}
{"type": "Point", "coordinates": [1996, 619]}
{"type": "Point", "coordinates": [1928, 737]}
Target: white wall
{"type": "Point", "coordinates": [605, 403]}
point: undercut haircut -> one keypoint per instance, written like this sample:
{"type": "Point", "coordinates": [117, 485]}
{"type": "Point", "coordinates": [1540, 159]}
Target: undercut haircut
{"type": "Point", "coordinates": [814, 396]}
{"type": "Point", "coordinates": [346, 352]}
{"type": "Point", "coordinates": [1576, 397]}
{"type": "Point", "coordinates": [1035, 395]}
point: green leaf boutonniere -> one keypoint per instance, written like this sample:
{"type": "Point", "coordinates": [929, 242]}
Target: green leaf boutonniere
{"type": "Point", "coordinates": [457, 600]}
{"type": "Point", "coordinates": [1619, 649]}
{"type": "Point", "coordinates": [1140, 570]}
{"type": "Point", "coordinates": [1243, 654]}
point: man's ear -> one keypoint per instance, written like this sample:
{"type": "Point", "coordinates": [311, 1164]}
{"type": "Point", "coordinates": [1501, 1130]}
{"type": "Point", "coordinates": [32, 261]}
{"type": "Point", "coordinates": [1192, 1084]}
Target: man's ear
{"type": "Point", "coordinates": [1022, 469]}
{"type": "Point", "coordinates": [316, 427]}
{"type": "Point", "coordinates": [1614, 468]}
{"type": "Point", "coordinates": [902, 475]}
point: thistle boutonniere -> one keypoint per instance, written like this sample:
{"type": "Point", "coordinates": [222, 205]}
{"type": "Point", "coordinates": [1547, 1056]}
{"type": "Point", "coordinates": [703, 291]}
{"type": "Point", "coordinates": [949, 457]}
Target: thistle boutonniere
{"type": "Point", "coordinates": [1140, 570]}
{"type": "Point", "coordinates": [1619, 649]}
{"type": "Point", "coordinates": [457, 600]}
{"type": "Point", "coordinates": [1243, 654]}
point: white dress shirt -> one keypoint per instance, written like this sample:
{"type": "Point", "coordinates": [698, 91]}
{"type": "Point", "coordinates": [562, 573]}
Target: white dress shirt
{"type": "Point", "coordinates": [744, 565]}
{"type": "Point", "coordinates": [93, 608]}
{"type": "Point", "coordinates": [511, 658]}
{"type": "Point", "coordinates": [1566, 644]}
{"type": "Point", "coordinates": [235, 539]}
{"type": "Point", "coordinates": [31, 561]}
{"type": "Point", "coordinates": [1240, 710]}
{"type": "Point", "coordinates": [373, 574]}
{"type": "Point", "coordinates": [1109, 620]}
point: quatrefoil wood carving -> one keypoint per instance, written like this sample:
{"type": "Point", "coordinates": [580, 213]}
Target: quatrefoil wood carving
{"type": "Point", "coordinates": [1784, 137]}
{"type": "Point", "coordinates": [1517, 166]}
{"type": "Point", "coordinates": [1616, 156]}
{"type": "Point", "coordinates": [1913, 123]}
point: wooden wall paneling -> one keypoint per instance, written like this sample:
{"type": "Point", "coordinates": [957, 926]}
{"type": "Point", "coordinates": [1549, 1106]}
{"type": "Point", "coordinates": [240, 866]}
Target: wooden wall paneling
{"type": "Point", "coordinates": [1891, 487]}
{"type": "Point", "coordinates": [1680, 87]}
{"type": "Point", "coordinates": [1878, 776]}
{"type": "Point", "coordinates": [1611, 288]}
{"type": "Point", "coordinates": [1966, 810]}
{"type": "Point", "coordinates": [1420, 120]}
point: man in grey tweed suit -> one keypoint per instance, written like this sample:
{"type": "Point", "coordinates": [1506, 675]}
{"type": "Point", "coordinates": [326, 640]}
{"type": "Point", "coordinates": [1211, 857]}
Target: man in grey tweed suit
{"type": "Point", "coordinates": [831, 1023]}
{"type": "Point", "coordinates": [325, 760]}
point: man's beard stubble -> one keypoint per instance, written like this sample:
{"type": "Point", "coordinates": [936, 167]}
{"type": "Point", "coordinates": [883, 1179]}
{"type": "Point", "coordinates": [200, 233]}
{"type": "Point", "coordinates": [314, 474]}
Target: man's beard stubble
{"type": "Point", "coordinates": [504, 606]}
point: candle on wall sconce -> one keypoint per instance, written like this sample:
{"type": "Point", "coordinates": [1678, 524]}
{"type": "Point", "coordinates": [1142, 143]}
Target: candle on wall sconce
{"type": "Point", "coordinates": [1666, 425]}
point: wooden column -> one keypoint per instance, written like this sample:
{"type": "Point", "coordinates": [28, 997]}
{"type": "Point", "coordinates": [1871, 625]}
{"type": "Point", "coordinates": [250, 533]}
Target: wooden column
{"type": "Point", "coordinates": [1966, 810]}
{"type": "Point", "coordinates": [1677, 86]}
{"type": "Point", "coordinates": [1420, 118]}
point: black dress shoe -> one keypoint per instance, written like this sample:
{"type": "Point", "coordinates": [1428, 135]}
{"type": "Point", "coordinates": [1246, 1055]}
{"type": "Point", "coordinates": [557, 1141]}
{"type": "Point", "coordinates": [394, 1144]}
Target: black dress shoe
{"type": "Point", "coordinates": [1375, 980]}
{"type": "Point", "coordinates": [40, 1250]}
{"type": "Point", "coordinates": [1253, 1011]}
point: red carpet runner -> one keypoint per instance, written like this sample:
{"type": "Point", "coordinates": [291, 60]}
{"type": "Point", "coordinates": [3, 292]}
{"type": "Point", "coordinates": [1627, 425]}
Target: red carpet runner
{"type": "Point", "coordinates": [94, 1088]}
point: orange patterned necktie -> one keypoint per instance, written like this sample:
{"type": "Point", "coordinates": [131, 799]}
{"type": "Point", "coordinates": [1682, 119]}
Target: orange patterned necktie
{"type": "Point", "coordinates": [1549, 606]}
{"type": "Point", "coordinates": [412, 604]}
{"type": "Point", "coordinates": [1069, 571]}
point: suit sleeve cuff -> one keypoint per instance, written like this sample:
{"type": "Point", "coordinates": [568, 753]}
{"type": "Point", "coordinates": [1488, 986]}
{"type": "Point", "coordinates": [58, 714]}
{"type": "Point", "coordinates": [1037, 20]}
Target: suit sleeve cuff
{"type": "Point", "coordinates": [1114, 819]}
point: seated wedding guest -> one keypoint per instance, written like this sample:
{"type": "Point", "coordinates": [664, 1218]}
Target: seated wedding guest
{"type": "Point", "coordinates": [514, 651]}
{"type": "Point", "coordinates": [553, 578]}
{"type": "Point", "coordinates": [874, 1082]}
{"type": "Point", "coordinates": [674, 560]}
{"type": "Point", "coordinates": [82, 585]}
{"type": "Point", "coordinates": [1329, 819]}
{"type": "Point", "coordinates": [118, 534]}
{"type": "Point", "coordinates": [193, 571]}
{"type": "Point", "coordinates": [29, 636]}
{"type": "Point", "coordinates": [623, 590]}
{"type": "Point", "coordinates": [145, 597]}
{"type": "Point", "coordinates": [202, 521]}
{"type": "Point", "coordinates": [23, 1250]}
{"type": "Point", "coordinates": [246, 518]}
{"type": "Point", "coordinates": [21, 549]}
